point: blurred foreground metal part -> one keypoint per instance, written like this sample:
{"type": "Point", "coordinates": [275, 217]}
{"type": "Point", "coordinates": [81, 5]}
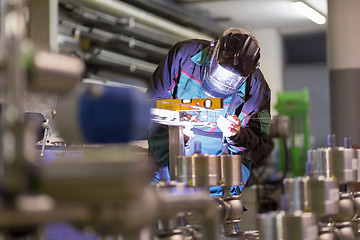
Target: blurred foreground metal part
{"type": "Point", "coordinates": [328, 192]}
{"type": "Point", "coordinates": [104, 186]}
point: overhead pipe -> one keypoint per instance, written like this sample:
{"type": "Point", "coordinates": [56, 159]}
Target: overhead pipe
{"type": "Point", "coordinates": [180, 14]}
{"type": "Point", "coordinates": [121, 9]}
{"type": "Point", "coordinates": [108, 40]}
{"type": "Point", "coordinates": [81, 15]}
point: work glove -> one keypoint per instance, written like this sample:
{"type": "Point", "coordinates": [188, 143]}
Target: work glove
{"type": "Point", "coordinates": [230, 125]}
{"type": "Point", "coordinates": [188, 132]}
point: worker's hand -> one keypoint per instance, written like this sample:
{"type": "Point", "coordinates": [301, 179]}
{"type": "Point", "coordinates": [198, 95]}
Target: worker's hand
{"type": "Point", "coordinates": [230, 125]}
{"type": "Point", "coordinates": [188, 132]}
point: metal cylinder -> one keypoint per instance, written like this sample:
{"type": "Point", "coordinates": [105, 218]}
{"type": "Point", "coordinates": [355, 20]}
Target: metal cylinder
{"type": "Point", "coordinates": [356, 198]}
{"type": "Point", "coordinates": [300, 225]}
{"type": "Point", "coordinates": [356, 165]}
{"type": "Point", "coordinates": [322, 163]}
{"type": "Point", "coordinates": [338, 162]}
{"type": "Point", "coordinates": [54, 72]}
{"type": "Point", "coordinates": [287, 226]}
{"type": "Point", "coordinates": [231, 174]}
{"type": "Point", "coordinates": [214, 170]}
{"type": "Point", "coordinates": [199, 170]}
{"type": "Point", "coordinates": [345, 230]}
{"type": "Point", "coordinates": [311, 167]}
{"type": "Point", "coordinates": [323, 196]}
{"type": "Point", "coordinates": [267, 223]}
{"type": "Point", "coordinates": [327, 233]}
{"type": "Point", "coordinates": [193, 170]}
{"type": "Point", "coordinates": [113, 173]}
{"type": "Point", "coordinates": [234, 208]}
{"type": "Point", "coordinates": [346, 208]}
{"type": "Point", "coordinates": [296, 192]}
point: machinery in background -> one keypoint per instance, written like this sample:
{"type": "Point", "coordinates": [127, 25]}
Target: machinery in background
{"type": "Point", "coordinates": [296, 106]}
{"type": "Point", "coordinates": [324, 204]}
{"type": "Point", "coordinates": [104, 186]}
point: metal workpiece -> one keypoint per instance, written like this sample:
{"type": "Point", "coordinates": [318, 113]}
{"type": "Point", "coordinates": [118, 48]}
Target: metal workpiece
{"type": "Point", "coordinates": [176, 150]}
{"type": "Point", "coordinates": [233, 209]}
{"type": "Point", "coordinates": [54, 72]}
{"type": "Point", "coordinates": [172, 202]}
{"type": "Point", "coordinates": [270, 225]}
{"type": "Point", "coordinates": [300, 225]}
{"type": "Point", "coordinates": [14, 29]}
{"type": "Point", "coordinates": [312, 167]}
{"type": "Point", "coordinates": [288, 226]}
{"type": "Point", "coordinates": [230, 208]}
{"type": "Point", "coordinates": [106, 217]}
{"type": "Point", "coordinates": [346, 208]}
{"type": "Point", "coordinates": [17, 218]}
{"type": "Point", "coordinates": [125, 217]}
{"type": "Point", "coordinates": [356, 198]}
{"type": "Point", "coordinates": [356, 225]}
{"type": "Point", "coordinates": [200, 170]}
{"type": "Point", "coordinates": [17, 156]}
{"type": "Point", "coordinates": [193, 170]}
{"type": "Point", "coordinates": [322, 163]}
{"type": "Point", "coordinates": [345, 230]}
{"type": "Point", "coordinates": [19, 160]}
{"type": "Point", "coordinates": [327, 232]}
{"type": "Point", "coordinates": [341, 163]}
{"type": "Point", "coordinates": [324, 196]}
{"type": "Point", "coordinates": [296, 192]}
{"type": "Point", "coordinates": [214, 174]}
{"type": "Point", "coordinates": [231, 166]}
{"type": "Point", "coordinates": [356, 164]}
{"type": "Point", "coordinates": [112, 172]}
{"type": "Point", "coordinates": [337, 231]}
{"type": "Point", "coordinates": [338, 162]}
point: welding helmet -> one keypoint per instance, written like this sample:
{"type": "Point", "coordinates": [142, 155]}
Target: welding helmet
{"type": "Point", "coordinates": [232, 58]}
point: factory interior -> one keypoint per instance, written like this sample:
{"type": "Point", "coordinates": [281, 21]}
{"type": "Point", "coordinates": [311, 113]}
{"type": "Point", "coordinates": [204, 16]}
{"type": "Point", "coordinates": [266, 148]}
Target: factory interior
{"type": "Point", "coordinates": [76, 115]}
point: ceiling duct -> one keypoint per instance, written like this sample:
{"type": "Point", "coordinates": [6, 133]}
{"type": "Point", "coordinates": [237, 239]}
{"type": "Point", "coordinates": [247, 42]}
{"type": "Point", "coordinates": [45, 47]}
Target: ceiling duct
{"type": "Point", "coordinates": [177, 13]}
{"type": "Point", "coordinates": [95, 19]}
{"type": "Point", "coordinates": [113, 42]}
{"type": "Point", "coordinates": [122, 9]}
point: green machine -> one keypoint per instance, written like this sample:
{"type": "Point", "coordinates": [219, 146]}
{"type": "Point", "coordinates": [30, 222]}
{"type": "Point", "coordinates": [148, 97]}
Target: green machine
{"type": "Point", "coordinates": [295, 105]}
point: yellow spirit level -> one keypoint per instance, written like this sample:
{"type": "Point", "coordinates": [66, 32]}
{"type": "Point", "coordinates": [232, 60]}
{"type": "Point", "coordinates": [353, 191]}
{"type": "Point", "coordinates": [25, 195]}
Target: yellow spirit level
{"type": "Point", "coordinates": [190, 104]}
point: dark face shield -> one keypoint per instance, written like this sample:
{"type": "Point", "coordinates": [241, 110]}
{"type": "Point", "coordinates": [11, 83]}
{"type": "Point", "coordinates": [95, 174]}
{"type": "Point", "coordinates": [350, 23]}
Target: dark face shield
{"type": "Point", "coordinates": [220, 82]}
{"type": "Point", "coordinates": [232, 60]}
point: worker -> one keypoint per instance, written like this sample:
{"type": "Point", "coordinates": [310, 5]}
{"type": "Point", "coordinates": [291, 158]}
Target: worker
{"type": "Point", "coordinates": [227, 67]}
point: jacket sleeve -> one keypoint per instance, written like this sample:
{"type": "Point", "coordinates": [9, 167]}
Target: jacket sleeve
{"type": "Point", "coordinates": [163, 80]}
{"type": "Point", "coordinates": [161, 86]}
{"type": "Point", "coordinates": [255, 128]}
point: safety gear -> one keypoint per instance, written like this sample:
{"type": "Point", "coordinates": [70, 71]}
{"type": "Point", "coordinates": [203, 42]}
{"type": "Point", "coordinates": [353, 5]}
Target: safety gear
{"type": "Point", "coordinates": [229, 125]}
{"type": "Point", "coordinates": [192, 55]}
{"type": "Point", "coordinates": [188, 132]}
{"type": "Point", "coordinates": [232, 59]}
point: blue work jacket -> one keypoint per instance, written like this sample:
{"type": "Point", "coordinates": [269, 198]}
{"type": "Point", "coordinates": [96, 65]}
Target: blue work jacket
{"type": "Point", "coordinates": [179, 76]}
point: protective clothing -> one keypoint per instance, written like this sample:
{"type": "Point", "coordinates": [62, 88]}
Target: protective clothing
{"type": "Point", "coordinates": [231, 60]}
{"type": "Point", "coordinates": [180, 76]}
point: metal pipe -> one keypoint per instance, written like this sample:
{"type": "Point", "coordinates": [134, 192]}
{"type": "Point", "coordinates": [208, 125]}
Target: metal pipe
{"type": "Point", "coordinates": [203, 204]}
{"type": "Point", "coordinates": [121, 9]}
{"type": "Point", "coordinates": [180, 14]}
{"type": "Point", "coordinates": [15, 29]}
{"type": "Point", "coordinates": [176, 148]}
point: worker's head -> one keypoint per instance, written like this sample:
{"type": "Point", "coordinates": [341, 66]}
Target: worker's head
{"type": "Point", "coordinates": [232, 58]}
